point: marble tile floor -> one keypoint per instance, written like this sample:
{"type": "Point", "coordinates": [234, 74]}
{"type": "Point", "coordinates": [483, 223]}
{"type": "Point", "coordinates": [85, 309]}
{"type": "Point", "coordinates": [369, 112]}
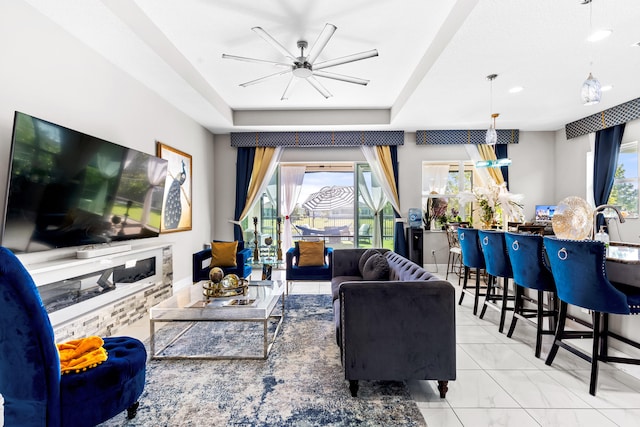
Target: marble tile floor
{"type": "Point", "coordinates": [500, 382]}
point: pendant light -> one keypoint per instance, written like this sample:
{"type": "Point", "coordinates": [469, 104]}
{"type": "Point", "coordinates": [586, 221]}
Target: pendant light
{"type": "Point", "coordinates": [591, 90]}
{"type": "Point", "coordinates": [491, 138]}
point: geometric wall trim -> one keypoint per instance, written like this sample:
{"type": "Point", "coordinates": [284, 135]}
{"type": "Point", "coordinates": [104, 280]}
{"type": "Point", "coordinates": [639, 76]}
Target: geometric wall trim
{"type": "Point", "coordinates": [613, 116]}
{"type": "Point", "coordinates": [316, 139]}
{"type": "Point", "coordinates": [456, 136]}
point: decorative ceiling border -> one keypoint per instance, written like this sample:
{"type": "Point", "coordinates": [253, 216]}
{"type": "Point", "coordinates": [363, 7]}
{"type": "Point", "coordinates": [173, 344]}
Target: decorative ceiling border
{"type": "Point", "coordinates": [448, 137]}
{"type": "Point", "coordinates": [316, 139]}
{"type": "Point", "coordinates": [613, 116]}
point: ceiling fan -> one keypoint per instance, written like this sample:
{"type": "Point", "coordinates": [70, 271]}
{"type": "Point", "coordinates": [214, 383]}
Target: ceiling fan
{"type": "Point", "coordinates": [304, 66]}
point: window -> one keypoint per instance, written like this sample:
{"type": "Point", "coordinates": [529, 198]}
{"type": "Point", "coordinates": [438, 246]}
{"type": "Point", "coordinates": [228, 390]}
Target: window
{"type": "Point", "coordinates": [441, 184]}
{"type": "Point", "coordinates": [371, 198]}
{"type": "Point", "coordinates": [624, 193]}
{"type": "Point", "coordinates": [331, 206]}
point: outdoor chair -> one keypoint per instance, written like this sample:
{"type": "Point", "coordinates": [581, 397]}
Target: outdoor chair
{"type": "Point", "coordinates": [364, 234]}
{"type": "Point", "coordinates": [335, 234]}
{"type": "Point", "coordinates": [305, 230]}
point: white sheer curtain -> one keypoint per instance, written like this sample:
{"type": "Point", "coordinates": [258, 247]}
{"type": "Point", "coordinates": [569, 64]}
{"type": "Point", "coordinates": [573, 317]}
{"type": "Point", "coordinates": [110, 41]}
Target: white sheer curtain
{"type": "Point", "coordinates": [291, 178]}
{"type": "Point", "coordinates": [371, 155]}
{"type": "Point", "coordinates": [374, 198]}
{"type": "Point", "coordinates": [434, 179]}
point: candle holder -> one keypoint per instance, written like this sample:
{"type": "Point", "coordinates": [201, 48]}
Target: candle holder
{"type": "Point", "coordinates": [279, 240]}
{"type": "Point", "coordinates": [256, 250]}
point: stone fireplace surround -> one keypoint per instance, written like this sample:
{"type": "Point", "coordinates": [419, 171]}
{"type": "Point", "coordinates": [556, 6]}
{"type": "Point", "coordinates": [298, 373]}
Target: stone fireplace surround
{"type": "Point", "coordinates": [104, 314]}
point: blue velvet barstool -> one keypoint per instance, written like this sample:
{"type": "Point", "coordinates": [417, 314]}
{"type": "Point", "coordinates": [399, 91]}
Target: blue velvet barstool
{"type": "Point", "coordinates": [498, 265]}
{"type": "Point", "coordinates": [471, 259]}
{"type": "Point", "coordinates": [579, 271]}
{"type": "Point", "coordinates": [526, 253]}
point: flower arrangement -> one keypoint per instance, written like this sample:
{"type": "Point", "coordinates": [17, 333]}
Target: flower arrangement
{"type": "Point", "coordinates": [435, 210]}
{"type": "Point", "coordinates": [492, 198]}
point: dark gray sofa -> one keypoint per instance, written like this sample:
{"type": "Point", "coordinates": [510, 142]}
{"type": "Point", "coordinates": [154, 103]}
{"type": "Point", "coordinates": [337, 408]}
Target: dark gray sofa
{"type": "Point", "coordinates": [396, 329]}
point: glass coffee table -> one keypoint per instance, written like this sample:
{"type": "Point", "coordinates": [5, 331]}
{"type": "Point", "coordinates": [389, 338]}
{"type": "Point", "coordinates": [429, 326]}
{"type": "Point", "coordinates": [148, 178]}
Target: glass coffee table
{"type": "Point", "coordinates": [189, 305]}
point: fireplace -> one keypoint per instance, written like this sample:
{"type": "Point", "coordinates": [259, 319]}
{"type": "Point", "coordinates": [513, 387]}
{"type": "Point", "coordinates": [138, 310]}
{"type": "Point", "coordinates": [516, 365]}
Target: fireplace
{"type": "Point", "coordinates": [58, 295]}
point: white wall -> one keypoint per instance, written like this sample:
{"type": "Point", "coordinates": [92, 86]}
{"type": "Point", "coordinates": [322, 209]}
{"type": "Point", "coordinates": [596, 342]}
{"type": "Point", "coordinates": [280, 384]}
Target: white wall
{"type": "Point", "coordinates": [571, 174]}
{"type": "Point", "coordinates": [532, 174]}
{"type": "Point", "coordinates": [49, 74]}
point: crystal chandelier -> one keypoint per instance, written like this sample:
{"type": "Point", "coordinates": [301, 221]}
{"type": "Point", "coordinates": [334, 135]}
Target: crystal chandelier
{"type": "Point", "coordinates": [492, 136]}
{"type": "Point", "coordinates": [591, 90]}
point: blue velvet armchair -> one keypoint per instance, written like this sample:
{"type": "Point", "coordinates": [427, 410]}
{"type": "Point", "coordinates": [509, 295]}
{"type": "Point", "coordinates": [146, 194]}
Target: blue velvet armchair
{"type": "Point", "coordinates": [34, 391]}
{"type": "Point", "coordinates": [295, 272]}
{"type": "Point", "coordinates": [201, 263]}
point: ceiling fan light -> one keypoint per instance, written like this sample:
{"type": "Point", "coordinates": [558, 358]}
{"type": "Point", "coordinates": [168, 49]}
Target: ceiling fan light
{"type": "Point", "coordinates": [302, 70]}
{"type": "Point", "coordinates": [591, 91]}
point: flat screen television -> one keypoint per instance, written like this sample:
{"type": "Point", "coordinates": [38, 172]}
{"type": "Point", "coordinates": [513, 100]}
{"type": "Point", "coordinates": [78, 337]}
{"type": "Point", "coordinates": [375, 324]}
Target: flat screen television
{"type": "Point", "coordinates": [67, 188]}
{"type": "Point", "coordinates": [544, 213]}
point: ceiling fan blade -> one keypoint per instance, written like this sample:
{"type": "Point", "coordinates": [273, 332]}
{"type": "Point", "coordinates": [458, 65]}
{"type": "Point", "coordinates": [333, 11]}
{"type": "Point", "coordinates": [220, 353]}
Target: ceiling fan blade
{"type": "Point", "coordinates": [318, 86]}
{"type": "Point", "coordinates": [340, 77]}
{"type": "Point", "coordinates": [273, 42]}
{"type": "Point", "coordinates": [320, 42]}
{"type": "Point", "coordinates": [287, 91]}
{"type": "Point", "coordinates": [261, 79]}
{"type": "Point", "coordinates": [346, 59]}
{"type": "Point", "coordinates": [261, 61]}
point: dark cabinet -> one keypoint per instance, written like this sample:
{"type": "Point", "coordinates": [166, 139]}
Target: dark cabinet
{"type": "Point", "coordinates": [414, 241]}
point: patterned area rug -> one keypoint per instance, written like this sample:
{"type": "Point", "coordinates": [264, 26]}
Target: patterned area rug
{"type": "Point", "coordinates": [300, 384]}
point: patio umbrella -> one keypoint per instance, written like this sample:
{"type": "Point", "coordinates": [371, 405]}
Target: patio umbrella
{"type": "Point", "coordinates": [330, 197]}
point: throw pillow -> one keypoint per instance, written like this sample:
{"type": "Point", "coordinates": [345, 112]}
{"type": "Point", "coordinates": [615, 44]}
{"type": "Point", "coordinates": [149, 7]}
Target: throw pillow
{"type": "Point", "coordinates": [376, 268]}
{"type": "Point", "coordinates": [223, 254]}
{"type": "Point", "coordinates": [364, 257]}
{"type": "Point", "coordinates": [311, 254]}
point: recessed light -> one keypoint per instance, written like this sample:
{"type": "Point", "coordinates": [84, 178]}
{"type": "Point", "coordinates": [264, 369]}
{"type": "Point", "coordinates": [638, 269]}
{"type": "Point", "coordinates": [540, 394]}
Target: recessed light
{"type": "Point", "coordinates": [598, 35]}
{"type": "Point", "coordinates": [606, 88]}
{"type": "Point", "coordinates": [516, 89]}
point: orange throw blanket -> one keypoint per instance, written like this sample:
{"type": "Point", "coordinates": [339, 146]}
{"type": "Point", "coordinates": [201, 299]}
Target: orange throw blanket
{"type": "Point", "coordinates": [81, 354]}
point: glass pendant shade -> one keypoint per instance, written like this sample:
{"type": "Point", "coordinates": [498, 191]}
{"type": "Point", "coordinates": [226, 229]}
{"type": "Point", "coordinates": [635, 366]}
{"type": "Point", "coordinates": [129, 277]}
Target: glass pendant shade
{"type": "Point", "coordinates": [491, 136]}
{"type": "Point", "coordinates": [591, 91]}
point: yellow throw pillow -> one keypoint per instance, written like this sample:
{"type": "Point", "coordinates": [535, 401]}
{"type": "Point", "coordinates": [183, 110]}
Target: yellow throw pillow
{"type": "Point", "coordinates": [223, 254]}
{"type": "Point", "coordinates": [311, 254]}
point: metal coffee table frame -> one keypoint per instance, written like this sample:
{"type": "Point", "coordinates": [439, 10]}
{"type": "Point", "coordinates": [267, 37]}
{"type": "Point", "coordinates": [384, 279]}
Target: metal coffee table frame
{"type": "Point", "coordinates": [188, 305]}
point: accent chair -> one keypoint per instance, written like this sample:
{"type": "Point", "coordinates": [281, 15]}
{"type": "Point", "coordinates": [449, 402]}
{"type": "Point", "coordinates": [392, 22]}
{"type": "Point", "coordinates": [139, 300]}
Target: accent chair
{"type": "Point", "coordinates": [202, 263]}
{"type": "Point", "coordinates": [316, 272]}
{"type": "Point", "coordinates": [35, 392]}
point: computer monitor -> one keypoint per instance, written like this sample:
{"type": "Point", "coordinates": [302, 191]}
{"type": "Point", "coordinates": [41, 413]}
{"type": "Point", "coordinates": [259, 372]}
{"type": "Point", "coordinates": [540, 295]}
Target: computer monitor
{"type": "Point", "coordinates": [544, 213]}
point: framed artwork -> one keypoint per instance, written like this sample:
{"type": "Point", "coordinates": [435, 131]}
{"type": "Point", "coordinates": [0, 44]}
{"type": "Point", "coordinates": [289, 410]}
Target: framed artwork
{"type": "Point", "coordinates": [176, 205]}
